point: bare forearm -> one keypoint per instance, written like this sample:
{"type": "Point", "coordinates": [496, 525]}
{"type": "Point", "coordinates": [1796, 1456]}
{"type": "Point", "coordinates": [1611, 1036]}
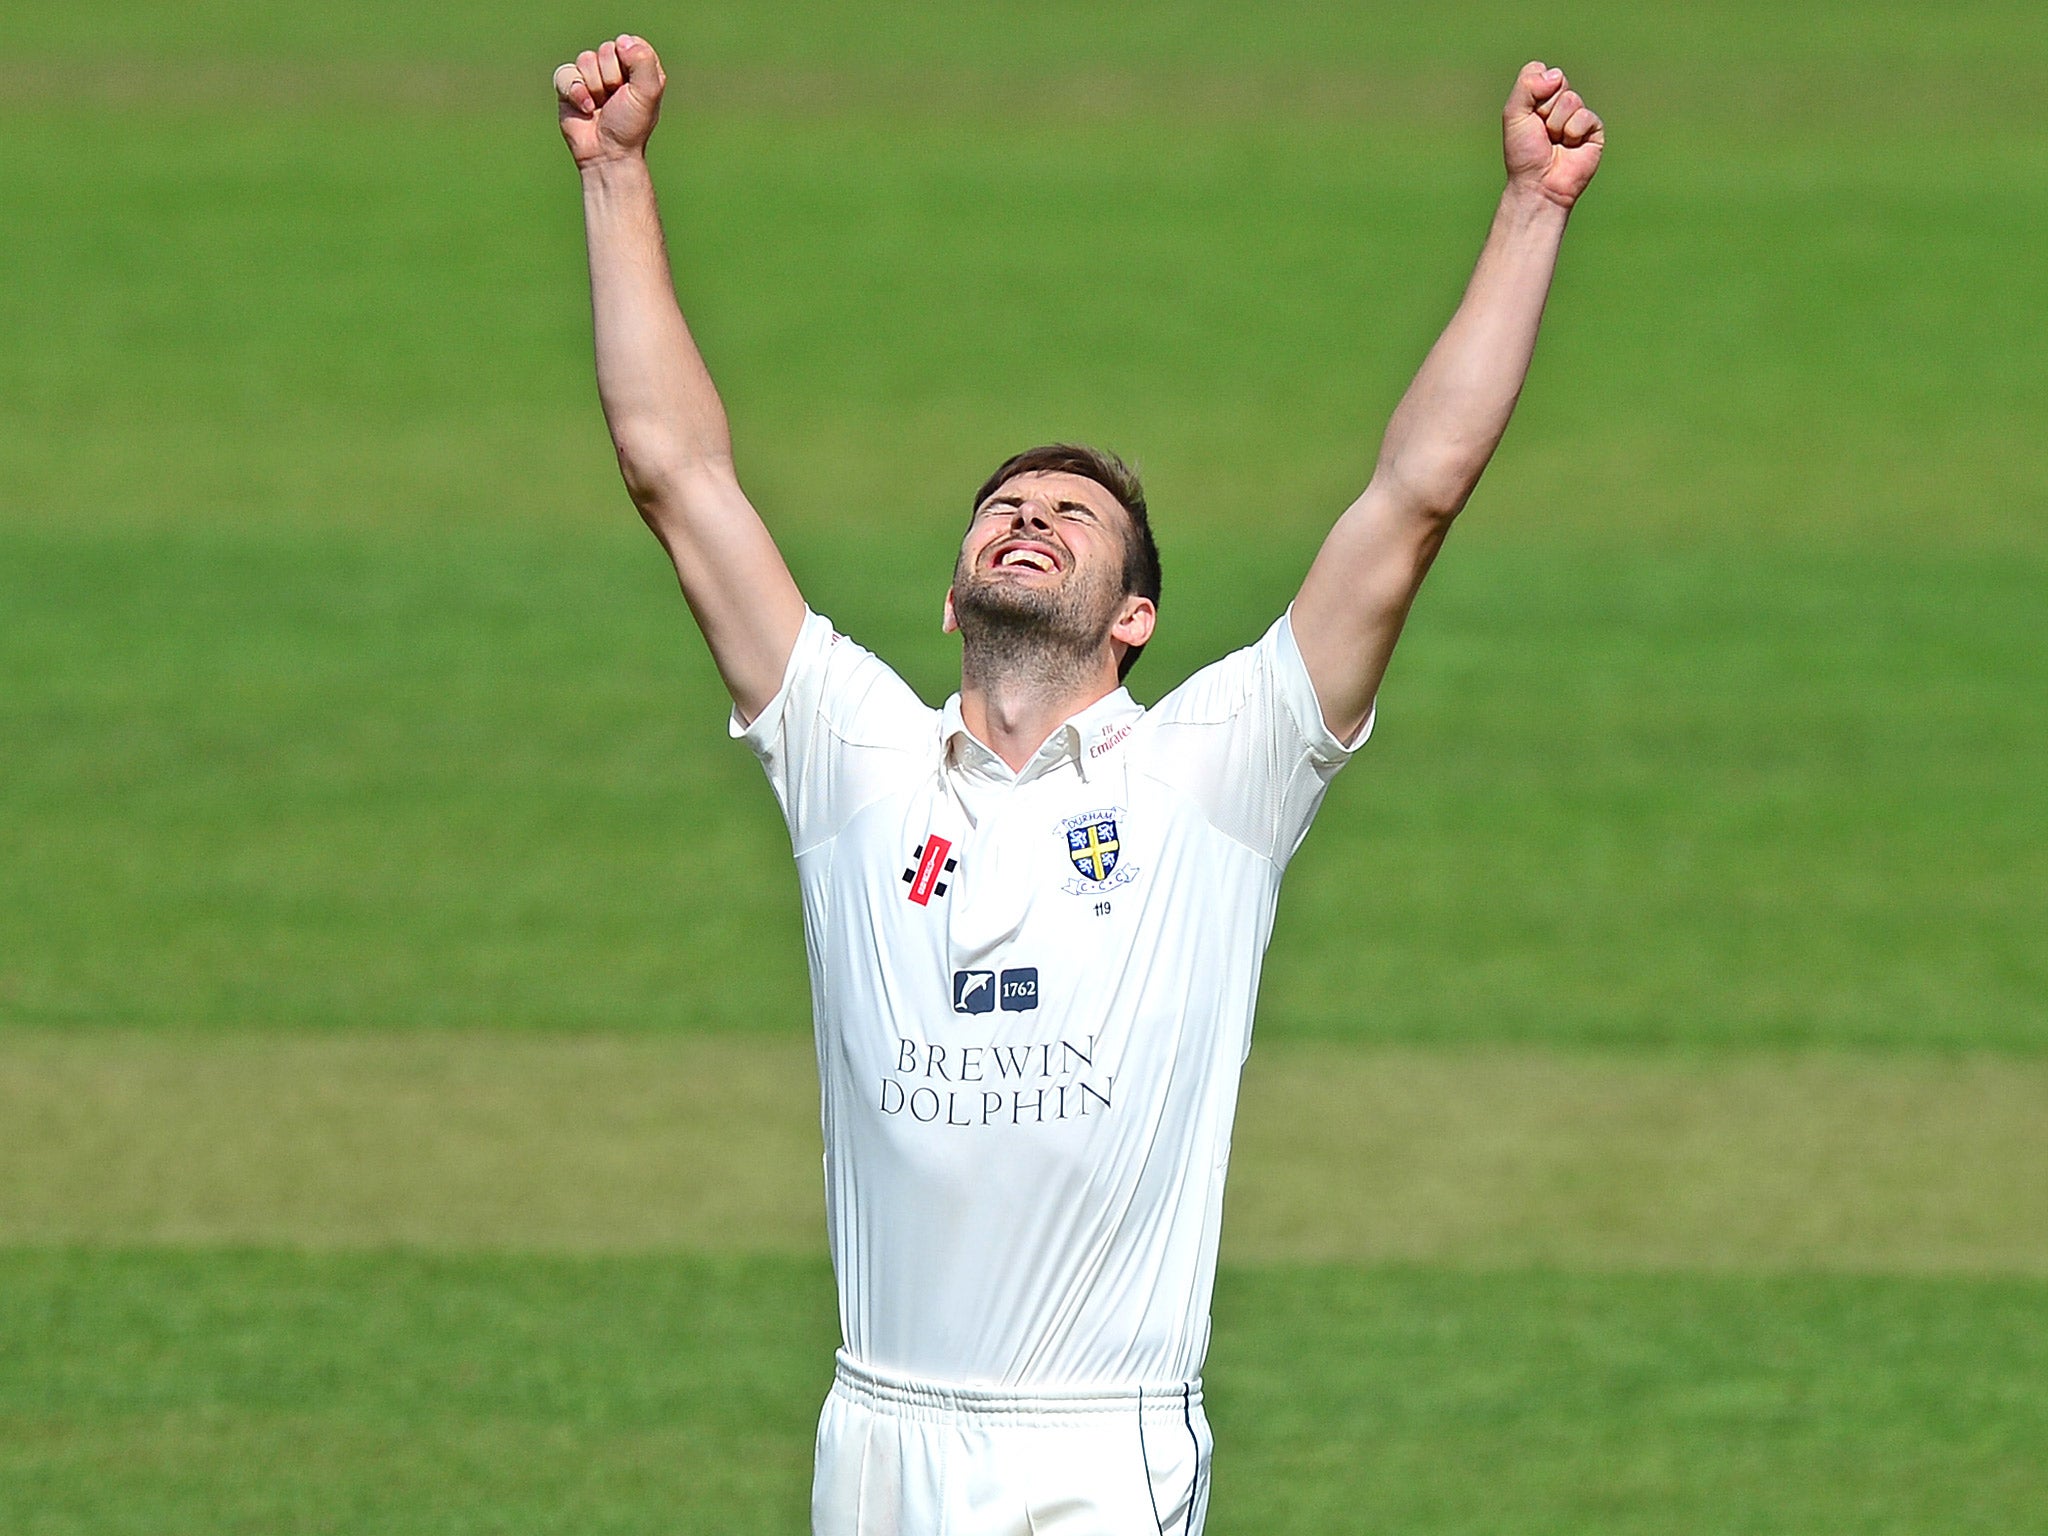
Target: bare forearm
{"type": "Point", "coordinates": [665, 416]}
{"type": "Point", "coordinates": [1452, 417]}
{"type": "Point", "coordinates": [666, 419]}
{"type": "Point", "coordinates": [1355, 599]}
{"type": "Point", "coordinates": [674, 447]}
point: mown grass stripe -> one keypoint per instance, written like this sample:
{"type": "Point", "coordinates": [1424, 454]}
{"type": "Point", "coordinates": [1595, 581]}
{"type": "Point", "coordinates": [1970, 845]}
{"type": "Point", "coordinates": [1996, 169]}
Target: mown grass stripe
{"type": "Point", "coordinates": [1481, 1157]}
{"type": "Point", "coordinates": [251, 1391]}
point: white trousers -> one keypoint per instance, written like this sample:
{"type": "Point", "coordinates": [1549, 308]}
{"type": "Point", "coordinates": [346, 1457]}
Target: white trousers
{"type": "Point", "coordinates": [898, 1457]}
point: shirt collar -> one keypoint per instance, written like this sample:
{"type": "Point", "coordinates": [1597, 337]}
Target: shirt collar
{"type": "Point", "coordinates": [1085, 738]}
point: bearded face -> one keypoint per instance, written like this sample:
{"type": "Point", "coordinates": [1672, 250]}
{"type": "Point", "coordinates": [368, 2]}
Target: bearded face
{"type": "Point", "coordinates": [1041, 573]}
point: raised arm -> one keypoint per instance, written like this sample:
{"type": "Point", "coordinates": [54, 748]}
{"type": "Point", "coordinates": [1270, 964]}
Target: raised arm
{"type": "Point", "coordinates": [666, 420]}
{"type": "Point", "coordinates": [1357, 594]}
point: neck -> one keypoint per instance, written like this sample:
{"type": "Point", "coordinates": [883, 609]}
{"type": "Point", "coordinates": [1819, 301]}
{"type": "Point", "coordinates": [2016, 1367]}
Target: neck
{"type": "Point", "coordinates": [1013, 701]}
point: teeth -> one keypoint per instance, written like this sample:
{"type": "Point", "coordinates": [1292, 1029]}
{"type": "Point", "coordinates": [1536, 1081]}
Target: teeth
{"type": "Point", "coordinates": [1030, 557]}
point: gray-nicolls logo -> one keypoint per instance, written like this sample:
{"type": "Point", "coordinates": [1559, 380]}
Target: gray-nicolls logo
{"type": "Point", "coordinates": [930, 862]}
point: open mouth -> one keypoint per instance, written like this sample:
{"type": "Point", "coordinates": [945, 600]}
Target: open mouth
{"type": "Point", "coordinates": [1029, 557]}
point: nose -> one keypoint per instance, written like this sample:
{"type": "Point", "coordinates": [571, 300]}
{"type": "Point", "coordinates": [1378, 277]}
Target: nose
{"type": "Point", "coordinates": [1032, 513]}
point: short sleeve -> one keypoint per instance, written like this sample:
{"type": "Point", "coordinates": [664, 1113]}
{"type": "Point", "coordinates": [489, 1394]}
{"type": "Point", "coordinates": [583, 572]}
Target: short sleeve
{"type": "Point", "coordinates": [1245, 739]}
{"type": "Point", "coordinates": [842, 731]}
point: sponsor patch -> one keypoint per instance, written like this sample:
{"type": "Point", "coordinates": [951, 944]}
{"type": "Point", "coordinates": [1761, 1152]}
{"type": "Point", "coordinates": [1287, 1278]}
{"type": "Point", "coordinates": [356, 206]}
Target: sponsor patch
{"type": "Point", "coordinates": [974, 992]}
{"type": "Point", "coordinates": [1014, 991]}
{"type": "Point", "coordinates": [1017, 991]}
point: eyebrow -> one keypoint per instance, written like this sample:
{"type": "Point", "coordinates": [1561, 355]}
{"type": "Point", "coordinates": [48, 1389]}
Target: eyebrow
{"type": "Point", "coordinates": [1058, 506]}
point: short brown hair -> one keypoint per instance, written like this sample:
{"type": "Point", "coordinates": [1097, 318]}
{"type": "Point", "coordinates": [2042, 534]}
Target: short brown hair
{"type": "Point", "coordinates": [1141, 552]}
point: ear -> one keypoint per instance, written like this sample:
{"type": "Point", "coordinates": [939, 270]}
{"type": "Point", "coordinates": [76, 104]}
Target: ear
{"type": "Point", "coordinates": [1134, 625]}
{"type": "Point", "coordinates": [948, 624]}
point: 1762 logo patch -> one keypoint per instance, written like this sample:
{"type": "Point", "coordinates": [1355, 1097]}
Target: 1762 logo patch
{"type": "Point", "coordinates": [1095, 849]}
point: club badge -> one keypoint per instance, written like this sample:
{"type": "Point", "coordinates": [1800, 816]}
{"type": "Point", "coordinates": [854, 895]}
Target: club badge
{"type": "Point", "coordinates": [1095, 849]}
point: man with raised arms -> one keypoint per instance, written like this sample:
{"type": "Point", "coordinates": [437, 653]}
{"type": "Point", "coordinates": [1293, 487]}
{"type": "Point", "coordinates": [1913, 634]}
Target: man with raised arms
{"type": "Point", "coordinates": [1035, 917]}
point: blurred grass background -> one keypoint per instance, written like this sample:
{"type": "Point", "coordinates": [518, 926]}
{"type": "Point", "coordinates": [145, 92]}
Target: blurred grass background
{"type": "Point", "coordinates": [1652, 1041]}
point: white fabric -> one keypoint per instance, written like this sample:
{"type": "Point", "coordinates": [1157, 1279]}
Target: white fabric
{"type": "Point", "coordinates": [898, 1457]}
{"type": "Point", "coordinates": [1033, 994]}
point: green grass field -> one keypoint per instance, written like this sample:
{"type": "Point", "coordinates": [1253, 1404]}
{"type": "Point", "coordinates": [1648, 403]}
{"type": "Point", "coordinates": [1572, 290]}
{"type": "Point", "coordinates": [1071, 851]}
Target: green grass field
{"type": "Point", "coordinates": [264, 1391]}
{"type": "Point", "coordinates": [399, 970]}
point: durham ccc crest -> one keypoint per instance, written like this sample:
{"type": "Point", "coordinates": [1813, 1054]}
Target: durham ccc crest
{"type": "Point", "coordinates": [1095, 849]}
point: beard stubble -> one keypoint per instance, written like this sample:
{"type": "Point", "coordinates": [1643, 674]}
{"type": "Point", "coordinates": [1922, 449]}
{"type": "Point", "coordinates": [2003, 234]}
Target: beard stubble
{"type": "Point", "coordinates": [1043, 639]}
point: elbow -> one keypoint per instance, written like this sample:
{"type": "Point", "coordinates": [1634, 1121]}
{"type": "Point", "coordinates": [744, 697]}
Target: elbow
{"type": "Point", "coordinates": [1433, 492]}
{"type": "Point", "coordinates": [1436, 472]}
{"type": "Point", "coordinates": [659, 472]}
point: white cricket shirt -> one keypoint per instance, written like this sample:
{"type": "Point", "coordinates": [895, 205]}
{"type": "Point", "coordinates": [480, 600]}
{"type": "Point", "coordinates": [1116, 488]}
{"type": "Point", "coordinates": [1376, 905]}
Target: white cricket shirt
{"type": "Point", "coordinates": [1033, 994]}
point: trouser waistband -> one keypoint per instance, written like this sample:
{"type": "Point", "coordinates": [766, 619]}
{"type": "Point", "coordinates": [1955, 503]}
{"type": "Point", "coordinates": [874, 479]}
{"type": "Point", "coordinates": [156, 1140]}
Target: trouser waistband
{"type": "Point", "coordinates": [914, 1397]}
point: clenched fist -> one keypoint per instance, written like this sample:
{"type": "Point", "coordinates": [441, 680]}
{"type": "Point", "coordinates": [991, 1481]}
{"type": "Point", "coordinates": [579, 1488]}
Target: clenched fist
{"type": "Point", "coordinates": [609, 99]}
{"type": "Point", "coordinates": [1551, 138]}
